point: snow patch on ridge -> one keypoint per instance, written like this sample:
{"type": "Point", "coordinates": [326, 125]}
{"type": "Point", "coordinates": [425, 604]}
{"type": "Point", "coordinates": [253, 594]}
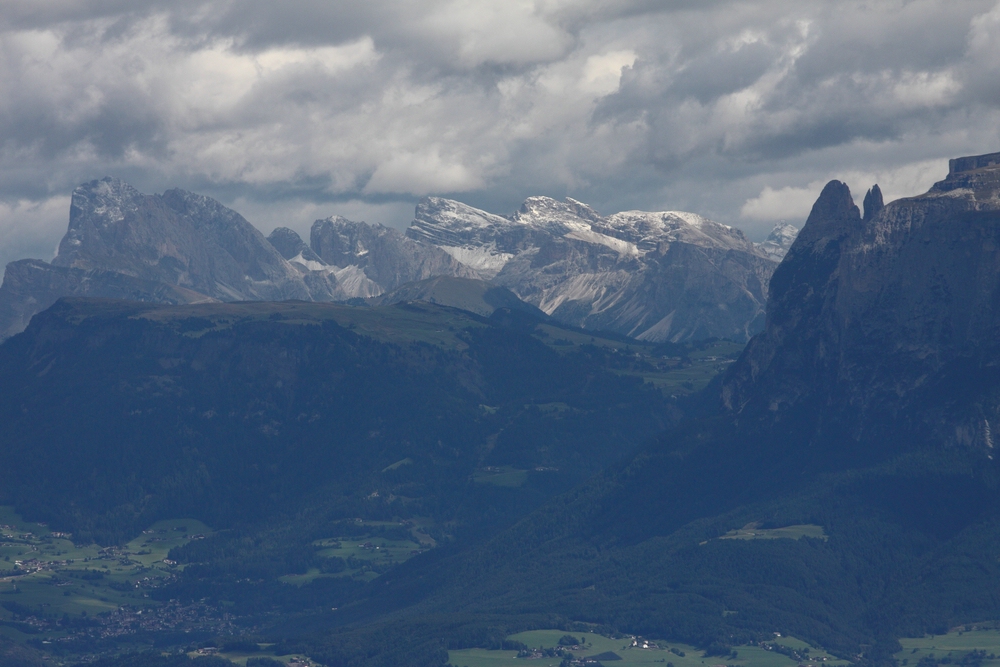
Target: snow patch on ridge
{"type": "Point", "coordinates": [485, 259]}
{"type": "Point", "coordinates": [590, 236]}
{"type": "Point", "coordinates": [310, 264]}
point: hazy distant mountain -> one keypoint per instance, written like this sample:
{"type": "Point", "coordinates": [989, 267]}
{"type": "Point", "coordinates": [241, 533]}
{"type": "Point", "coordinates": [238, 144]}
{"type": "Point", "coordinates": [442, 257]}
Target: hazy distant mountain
{"type": "Point", "coordinates": [668, 276]}
{"type": "Point", "coordinates": [386, 257]}
{"type": "Point", "coordinates": [778, 242]}
{"type": "Point", "coordinates": [654, 276]}
{"type": "Point", "coordinates": [178, 247]}
{"type": "Point", "coordinates": [291, 246]}
{"type": "Point", "coordinates": [177, 238]}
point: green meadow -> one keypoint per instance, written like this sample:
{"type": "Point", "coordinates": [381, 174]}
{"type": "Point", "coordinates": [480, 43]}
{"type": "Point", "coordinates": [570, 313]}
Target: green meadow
{"type": "Point", "coordinates": [953, 646]}
{"type": "Point", "coordinates": [636, 651]}
{"type": "Point", "coordinates": [44, 573]}
{"type": "Point", "coordinates": [374, 549]}
{"type": "Point", "coordinates": [753, 531]}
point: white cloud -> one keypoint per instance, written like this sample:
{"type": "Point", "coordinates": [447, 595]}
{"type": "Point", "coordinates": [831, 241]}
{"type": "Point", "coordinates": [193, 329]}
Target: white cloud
{"type": "Point", "coordinates": [31, 229]}
{"type": "Point", "coordinates": [793, 204]}
{"type": "Point", "coordinates": [511, 32]}
{"type": "Point", "coordinates": [739, 110]}
{"type": "Point", "coordinates": [602, 73]}
{"type": "Point", "coordinates": [419, 173]}
{"type": "Point", "coordinates": [787, 203]}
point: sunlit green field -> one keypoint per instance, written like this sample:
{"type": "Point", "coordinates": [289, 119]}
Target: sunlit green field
{"type": "Point", "coordinates": [658, 653]}
{"type": "Point", "coordinates": [751, 531]}
{"type": "Point", "coordinates": [241, 657]}
{"type": "Point", "coordinates": [400, 323]}
{"type": "Point", "coordinates": [367, 554]}
{"type": "Point", "coordinates": [954, 645]}
{"type": "Point", "coordinates": [48, 574]}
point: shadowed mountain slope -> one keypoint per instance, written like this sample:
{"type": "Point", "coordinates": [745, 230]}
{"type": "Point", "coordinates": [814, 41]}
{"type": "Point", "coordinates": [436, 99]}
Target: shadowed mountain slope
{"type": "Point", "coordinates": [858, 422]}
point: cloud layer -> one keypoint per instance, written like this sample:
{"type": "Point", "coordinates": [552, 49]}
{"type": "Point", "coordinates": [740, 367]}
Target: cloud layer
{"type": "Point", "coordinates": [289, 111]}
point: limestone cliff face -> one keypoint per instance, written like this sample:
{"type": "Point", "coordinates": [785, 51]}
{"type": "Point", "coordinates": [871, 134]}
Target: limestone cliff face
{"type": "Point", "coordinates": [892, 318]}
{"type": "Point", "coordinates": [178, 247]}
{"type": "Point", "coordinates": [178, 238]}
{"type": "Point", "coordinates": [657, 276]}
{"type": "Point", "coordinates": [386, 257]}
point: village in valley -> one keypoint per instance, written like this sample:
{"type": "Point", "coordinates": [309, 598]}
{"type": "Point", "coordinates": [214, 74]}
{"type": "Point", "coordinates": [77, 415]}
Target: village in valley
{"type": "Point", "coordinates": [55, 594]}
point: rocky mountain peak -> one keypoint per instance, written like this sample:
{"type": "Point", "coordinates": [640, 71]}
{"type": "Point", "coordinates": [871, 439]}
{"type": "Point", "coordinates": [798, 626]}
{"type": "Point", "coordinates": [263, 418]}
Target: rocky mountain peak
{"type": "Point", "coordinates": [340, 242]}
{"type": "Point", "coordinates": [657, 275]}
{"type": "Point", "coordinates": [554, 215]}
{"type": "Point", "coordinates": [291, 246]}
{"type": "Point", "coordinates": [876, 319]}
{"type": "Point", "coordinates": [178, 247]}
{"type": "Point", "coordinates": [778, 242]}
{"type": "Point", "coordinates": [873, 202]}
{"type": "Point", "coordinates": [583, 210]}
{"type": "Point", "coordinates": [833, 216]}
{"type": "Point", "coordinates": [96, 209]}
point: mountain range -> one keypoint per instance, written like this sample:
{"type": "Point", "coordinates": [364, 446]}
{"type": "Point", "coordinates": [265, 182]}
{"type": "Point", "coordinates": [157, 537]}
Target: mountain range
{"type": "Point", "coordinates": [836, 482]}
{"type": "Point", "coordinates": [654, 276]}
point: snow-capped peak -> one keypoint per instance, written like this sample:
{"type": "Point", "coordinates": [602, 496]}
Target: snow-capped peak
{"type": "Point", "coordinates": [778, 242]}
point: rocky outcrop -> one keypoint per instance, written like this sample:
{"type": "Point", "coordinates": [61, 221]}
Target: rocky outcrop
{"type": "Point", "coordinates": [655, 276]}
{"type": "Point", "coordinates": [873, 203]}
{"type": "Point", "coordinates": [889, 323]}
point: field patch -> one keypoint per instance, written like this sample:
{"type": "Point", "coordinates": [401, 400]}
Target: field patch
{"type": "Point", "coordinates": [52, 589]}
{"type": "Point", "coordinates": [545, 650]}
{"type": "Point", "coordinates": [753, 531]}
{"type": "Point", "coordinates": [972, 644]}
{"type": "Point", "coordinates": [501, 476]}
{"type": "Point", "coordinates": [367, 550]}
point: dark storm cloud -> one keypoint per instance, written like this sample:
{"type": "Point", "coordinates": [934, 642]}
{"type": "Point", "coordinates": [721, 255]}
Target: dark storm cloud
{"type": "Point", "coordinates": [301, 109]}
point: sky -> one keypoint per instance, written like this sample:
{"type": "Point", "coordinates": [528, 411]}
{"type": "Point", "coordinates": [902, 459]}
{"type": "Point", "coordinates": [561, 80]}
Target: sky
{"type": "Point", "coordinates": [297, 110]}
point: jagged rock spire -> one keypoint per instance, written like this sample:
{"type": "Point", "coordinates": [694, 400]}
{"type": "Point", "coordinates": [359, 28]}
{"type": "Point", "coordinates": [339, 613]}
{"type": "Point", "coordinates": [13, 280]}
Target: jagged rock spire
{"type": "Point", "coordinates": [873, 202]}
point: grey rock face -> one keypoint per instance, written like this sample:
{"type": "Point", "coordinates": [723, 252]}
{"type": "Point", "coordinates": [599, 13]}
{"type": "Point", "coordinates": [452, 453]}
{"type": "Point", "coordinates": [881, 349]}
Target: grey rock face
{"type": "Point", "coordinates": [873, 203]}
{"type": "Point", "coordinates": [178, 247]}
{"type": "Point", "coordinates": [891, 317]}
{"type": "Point", "coordinates": [177, 238]}
{"type": "Point", "coordinates": [291, 246]}
{"type": "Point", "coordinates": [779, 241]}
{"type": "Point", "coordinates": [384, 256]}
{"type": "Point", "coordinates": [656, 276]}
